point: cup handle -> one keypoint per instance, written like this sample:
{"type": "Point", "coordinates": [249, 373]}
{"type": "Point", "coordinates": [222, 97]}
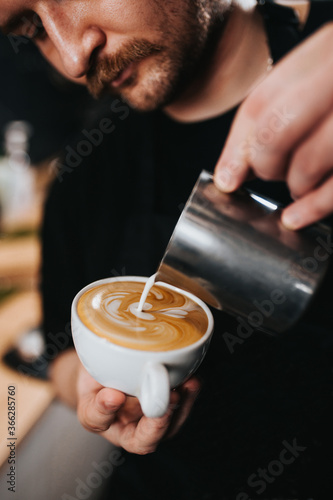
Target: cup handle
{"type": "Point", "coordinates": [154, 392]}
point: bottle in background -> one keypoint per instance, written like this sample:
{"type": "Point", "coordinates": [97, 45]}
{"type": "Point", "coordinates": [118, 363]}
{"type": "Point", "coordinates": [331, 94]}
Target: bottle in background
{"type": "Point", "coordinates": [17, 183]}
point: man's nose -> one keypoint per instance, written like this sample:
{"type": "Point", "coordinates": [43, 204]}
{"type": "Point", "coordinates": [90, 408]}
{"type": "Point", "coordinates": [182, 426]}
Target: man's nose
{"type": "Point", "coordinates": [75, 39]}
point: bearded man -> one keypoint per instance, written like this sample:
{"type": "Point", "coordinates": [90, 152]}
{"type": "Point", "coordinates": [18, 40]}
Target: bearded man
{"type": "Point", "coordinates": [199, 69]}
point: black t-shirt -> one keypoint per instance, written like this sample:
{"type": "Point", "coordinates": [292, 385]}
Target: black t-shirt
{"type": "Point", "coordinates": [113, 215]}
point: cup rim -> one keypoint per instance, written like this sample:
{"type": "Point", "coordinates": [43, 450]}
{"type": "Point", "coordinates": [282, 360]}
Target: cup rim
{"type": "Point", "coordinates": [143, 279]}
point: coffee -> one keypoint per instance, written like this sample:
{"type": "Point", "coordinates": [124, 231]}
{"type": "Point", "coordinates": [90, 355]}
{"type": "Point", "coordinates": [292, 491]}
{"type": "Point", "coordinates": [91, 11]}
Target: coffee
{"type": "Point", "coordinates": [169, 320]}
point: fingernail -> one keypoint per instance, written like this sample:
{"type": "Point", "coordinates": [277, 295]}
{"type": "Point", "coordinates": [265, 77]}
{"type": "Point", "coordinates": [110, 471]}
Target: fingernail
{"type": "Point", "coordinates": [109, 405]}
{"type": "Point", "coordinates": [223, 180]}
{"type": "Point", "coordinates": [292, 220]}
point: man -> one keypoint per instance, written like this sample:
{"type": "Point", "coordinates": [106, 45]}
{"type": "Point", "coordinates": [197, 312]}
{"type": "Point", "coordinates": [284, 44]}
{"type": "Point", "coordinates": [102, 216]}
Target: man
{"type": "Point", "coordinates": [153, 57]}
{"type": "Point", "coordinates": [198, 60]}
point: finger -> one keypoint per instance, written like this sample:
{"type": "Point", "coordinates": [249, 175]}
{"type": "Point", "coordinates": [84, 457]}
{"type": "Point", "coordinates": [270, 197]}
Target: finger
{"type": "Point", "coordinates": [131, 411]}
{"type": "Point", "coordinates": [263, 136]}
{"type": "Point", "coordinates": [311, 208]}
{"type": "Point", "coordinates": [97, 410]}
{"type": "Point", "coordinates": [189, 393]}
{"type": "Point", "coordinates": [312, 161]}
{"type": "Point", "coordinates": [271, 122]}
{"type": "Point", "coordinates": [150, 431]}
{"type": "Point", "coordinates": [233, 167]}
{"type": "Point", "coordinates": [144, 436]}
{"type": "Point", "coordinates": [296, 122]}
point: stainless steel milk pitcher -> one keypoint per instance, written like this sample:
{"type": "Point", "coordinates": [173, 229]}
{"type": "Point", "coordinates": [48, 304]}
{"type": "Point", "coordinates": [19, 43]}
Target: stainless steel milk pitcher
{"type": "Point", "coordinates": [232, 251]}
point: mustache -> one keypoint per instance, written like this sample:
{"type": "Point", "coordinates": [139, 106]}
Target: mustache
{"type": "Point", "coordinates": [105, 70]}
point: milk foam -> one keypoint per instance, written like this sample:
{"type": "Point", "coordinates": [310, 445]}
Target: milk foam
{"type": "Point", "coordinates": [169, 320]}
{"type": "Point", "coordinates": [147, 288]}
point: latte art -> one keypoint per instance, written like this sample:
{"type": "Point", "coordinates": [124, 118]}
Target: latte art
{"type": "Point", "coordinates": [169, 320]}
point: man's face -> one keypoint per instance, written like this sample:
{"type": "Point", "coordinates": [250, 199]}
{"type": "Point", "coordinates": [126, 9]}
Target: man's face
{"type": "Point", "coordinates": [143, 50]}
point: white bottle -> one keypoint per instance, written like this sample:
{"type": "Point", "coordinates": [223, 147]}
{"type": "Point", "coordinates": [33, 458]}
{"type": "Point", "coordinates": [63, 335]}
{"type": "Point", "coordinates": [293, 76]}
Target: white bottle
{"type": "Point", "coordinates": [17, 181]}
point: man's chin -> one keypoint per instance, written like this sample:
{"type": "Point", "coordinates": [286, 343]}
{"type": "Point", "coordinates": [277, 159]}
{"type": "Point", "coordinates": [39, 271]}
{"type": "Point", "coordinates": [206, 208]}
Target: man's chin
{"type": "Point", "coordinates": [145, 99]}
{"type": "Point", "coordinates": [155, 93]}
{"type": "Point", "coordinates": [143, 91]}
{"type": "Point", "coordinates": [145, 105]}
{"type": "Point", "coordinates": [136, 98]}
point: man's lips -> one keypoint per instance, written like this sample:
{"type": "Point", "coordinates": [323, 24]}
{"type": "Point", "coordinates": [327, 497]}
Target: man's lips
{"type": "Point", "coordinates": [118, 70]}
{"type": "Point", "coordinates": [124, 75]}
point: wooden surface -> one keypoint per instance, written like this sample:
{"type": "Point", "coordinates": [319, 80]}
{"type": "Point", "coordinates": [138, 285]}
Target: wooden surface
{"type": "Point", "coordinates": [19, 269]}
{"type": "Point", "coordinates": [19, 260]}
{"type": "Point", "coordinates": [18, 314]}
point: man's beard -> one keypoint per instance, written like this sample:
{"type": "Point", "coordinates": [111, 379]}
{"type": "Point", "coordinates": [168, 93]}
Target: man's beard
{"type": "Point", "coordinates": [174, 64]}
{"type": "Point", "coordinates": [104, 71]}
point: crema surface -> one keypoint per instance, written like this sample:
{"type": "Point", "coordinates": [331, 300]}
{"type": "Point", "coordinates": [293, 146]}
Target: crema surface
{"type": "Point", "coordinates": [168, 321]}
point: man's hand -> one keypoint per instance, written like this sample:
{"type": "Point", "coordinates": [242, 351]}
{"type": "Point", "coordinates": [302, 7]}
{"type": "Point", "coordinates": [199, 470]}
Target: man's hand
{"type": "Point", "coordinates": [120, 420]}
{"type": "Point", "coordinates": [284, 131]}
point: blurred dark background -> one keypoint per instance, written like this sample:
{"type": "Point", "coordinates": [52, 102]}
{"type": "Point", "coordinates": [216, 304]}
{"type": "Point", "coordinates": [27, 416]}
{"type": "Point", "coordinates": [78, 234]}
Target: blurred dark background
{"type": "Point", "coordinates": [31, 90]}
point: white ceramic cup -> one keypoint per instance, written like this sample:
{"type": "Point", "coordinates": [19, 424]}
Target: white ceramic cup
{"type": "Point", "coordinates": [148, 375]}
